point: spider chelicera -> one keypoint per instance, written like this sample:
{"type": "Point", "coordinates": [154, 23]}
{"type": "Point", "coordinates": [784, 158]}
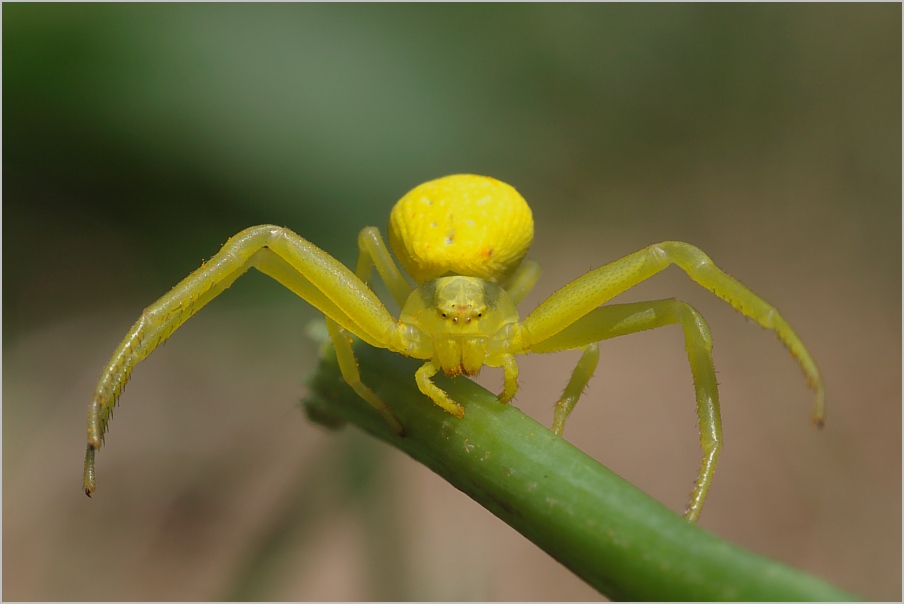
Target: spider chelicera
{"type": "Point", "coordinates": [462, 239]}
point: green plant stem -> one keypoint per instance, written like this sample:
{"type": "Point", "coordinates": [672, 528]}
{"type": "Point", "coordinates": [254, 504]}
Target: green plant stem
{"type": "Point", "coordinates": [616, 538]}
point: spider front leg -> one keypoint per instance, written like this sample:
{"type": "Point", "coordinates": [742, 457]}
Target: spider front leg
{"type": "Point", "coordinates": [622, 319]}
{"type": "Point", "coordinates": [275, 266]}
{"type": "Point", "coordinates": [304, 268]}
{"type": "Point", "coordinates": [581, 296]}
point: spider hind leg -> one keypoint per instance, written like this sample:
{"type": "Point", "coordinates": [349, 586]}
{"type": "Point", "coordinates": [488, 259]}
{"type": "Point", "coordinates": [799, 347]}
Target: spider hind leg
{"type": "Point", "coordinates": [615, 320]}
{"type": "Point", "coordinates": [582, 373]}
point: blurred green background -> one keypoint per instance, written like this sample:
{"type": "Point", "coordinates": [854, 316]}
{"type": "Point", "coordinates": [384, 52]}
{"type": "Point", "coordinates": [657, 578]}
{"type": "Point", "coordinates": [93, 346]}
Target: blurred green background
{"type": "Point", "coordinates": [137, 138]}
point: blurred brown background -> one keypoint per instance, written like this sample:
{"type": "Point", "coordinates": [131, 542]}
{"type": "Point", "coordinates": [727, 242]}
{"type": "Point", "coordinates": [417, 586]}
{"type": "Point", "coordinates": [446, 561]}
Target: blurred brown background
{"type": "Point", "coordinates": [137, 138]}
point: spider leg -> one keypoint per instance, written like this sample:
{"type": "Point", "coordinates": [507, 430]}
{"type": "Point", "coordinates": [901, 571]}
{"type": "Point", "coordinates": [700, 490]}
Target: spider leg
{"type": "Point", "coordinates": [348, 366]}
{"type": "Point", "coordinates": [372, 252]}
{"type": "Point", "coordinates": [510, 373]}
{"type": "Point", "coordinates": [318, 278]}
{"type": "Point", "coordinates": [620, 319]}
{"type": "Point", "coordinates": [424, 382]}
{"type": "Point", "coordinates": [581, 375]}
{"type": "Point", "coordinates": [586, 293]}
{"type": "Point", "coordinates": [522, 281]}
{"type": "Point", "coordinates": [269, 263]}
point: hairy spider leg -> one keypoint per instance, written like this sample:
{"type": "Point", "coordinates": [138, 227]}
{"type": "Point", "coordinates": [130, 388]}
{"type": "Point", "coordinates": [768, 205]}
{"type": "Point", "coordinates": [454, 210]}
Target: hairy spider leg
{"type": "Point", "coordinates": [616, 320]}
{"type": "Point", "coordinates": [578, 298]}
{"type": "Point", "coordinates": [322, 280]}
{"type": "Point", "coordinates": [583, 371]}
{"type": "Point", "coordinates": [424, 379]}
{"type": "Point", "coordinates": [156, 324]}
{"type": "Point", "coordinates": [510, 376]}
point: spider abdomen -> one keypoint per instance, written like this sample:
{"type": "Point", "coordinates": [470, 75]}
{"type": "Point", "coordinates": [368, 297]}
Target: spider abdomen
{"type": "Point", "coordinates": [461, 225]}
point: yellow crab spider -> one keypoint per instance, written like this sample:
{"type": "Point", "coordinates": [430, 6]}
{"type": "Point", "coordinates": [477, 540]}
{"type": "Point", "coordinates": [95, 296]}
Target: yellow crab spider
{"type": "Point", "coordinates": [462, 239]}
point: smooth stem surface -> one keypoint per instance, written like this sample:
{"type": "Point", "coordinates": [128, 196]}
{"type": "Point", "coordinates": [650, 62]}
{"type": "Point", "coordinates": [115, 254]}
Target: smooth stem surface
{"type": "Point", "coordinates": [616, 538]}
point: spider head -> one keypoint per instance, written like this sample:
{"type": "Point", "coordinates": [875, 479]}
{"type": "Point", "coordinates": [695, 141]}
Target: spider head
{"type": "Point", "coordinates": [460, 317]}
{"type": "Point", "coordinates": [460, 304]}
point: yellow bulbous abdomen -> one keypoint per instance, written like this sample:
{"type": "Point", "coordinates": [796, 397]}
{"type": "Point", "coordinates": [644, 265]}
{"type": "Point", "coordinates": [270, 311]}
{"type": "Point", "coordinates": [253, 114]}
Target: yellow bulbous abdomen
{"type": "Point", "coordinates": [461, 225]}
